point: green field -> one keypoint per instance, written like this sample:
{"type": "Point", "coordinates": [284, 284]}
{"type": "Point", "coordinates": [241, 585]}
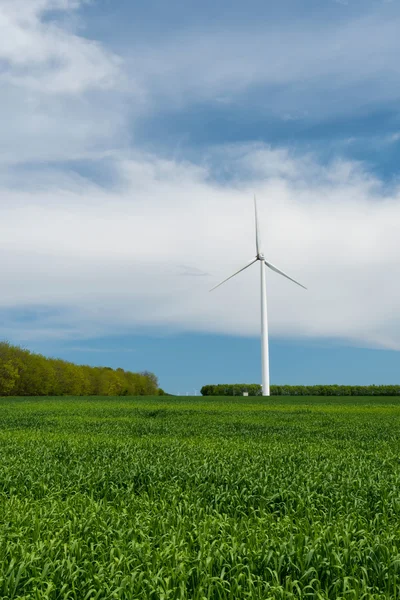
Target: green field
{"type": "Point", "coordinates": [194, 498]}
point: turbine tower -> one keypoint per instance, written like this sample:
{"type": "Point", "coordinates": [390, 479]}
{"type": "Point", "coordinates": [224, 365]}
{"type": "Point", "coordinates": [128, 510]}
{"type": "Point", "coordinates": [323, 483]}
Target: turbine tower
{"type": "Point", "coordinates": [264, 317]}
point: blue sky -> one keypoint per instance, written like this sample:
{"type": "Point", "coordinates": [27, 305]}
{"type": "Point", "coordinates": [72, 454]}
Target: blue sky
{"type": "Point", "coordinates": [133, 139]}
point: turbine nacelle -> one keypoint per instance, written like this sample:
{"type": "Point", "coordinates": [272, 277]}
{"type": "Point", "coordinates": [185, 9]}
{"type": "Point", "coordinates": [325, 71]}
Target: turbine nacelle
{"type": "Point", "coordinates": [259, 257]}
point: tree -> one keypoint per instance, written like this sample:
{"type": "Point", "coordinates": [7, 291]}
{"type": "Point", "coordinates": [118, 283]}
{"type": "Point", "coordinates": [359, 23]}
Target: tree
{"type": "Point", "coordinates": [23, 373]}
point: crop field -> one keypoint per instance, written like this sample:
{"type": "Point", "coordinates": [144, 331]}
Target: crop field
{"type": "Point", "coordinates": [195, 498]}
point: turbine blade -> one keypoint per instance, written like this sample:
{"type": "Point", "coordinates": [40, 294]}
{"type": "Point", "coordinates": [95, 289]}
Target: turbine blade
{"type": "Point", "coordinates": [282, 273]}
{"type": "Point", "coordinates": [230, 277]}
{"type": "Point", "coordinates": [258, 240]}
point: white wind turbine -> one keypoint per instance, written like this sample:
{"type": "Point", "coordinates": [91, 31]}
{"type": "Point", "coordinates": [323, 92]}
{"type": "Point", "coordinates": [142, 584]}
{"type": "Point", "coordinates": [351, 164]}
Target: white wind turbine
{"type": "Point", "coordinates": [264, 319]}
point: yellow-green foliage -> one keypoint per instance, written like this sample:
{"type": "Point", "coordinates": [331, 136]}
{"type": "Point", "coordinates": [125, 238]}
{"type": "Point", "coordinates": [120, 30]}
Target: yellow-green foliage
{"type": "Point", "coordinates": [200, 499]}
{"type": "Point", "coordinates": [23, 373]}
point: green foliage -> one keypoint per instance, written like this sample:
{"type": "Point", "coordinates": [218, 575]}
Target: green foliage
{"type": "Point", "coordinates": [227, 389]}
{"type": "Point", "coordinates": [9, 376]}
{"type": "Point", "coordinates": [254, 389]}
{"type": "Point", "coordinates": [23, 373]}
{"type": "Point", "coordinates": [194, 499]}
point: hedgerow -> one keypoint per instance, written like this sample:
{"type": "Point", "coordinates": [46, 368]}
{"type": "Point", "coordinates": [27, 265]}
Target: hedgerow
{"type": "Point", "coordinates": [254, 389]}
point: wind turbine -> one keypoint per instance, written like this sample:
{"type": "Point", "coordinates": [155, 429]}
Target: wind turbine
{"type": "Point", "coordinates": [264, 318]}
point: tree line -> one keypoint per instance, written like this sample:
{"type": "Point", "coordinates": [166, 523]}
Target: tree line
{"type": "Point", "coordinates": [254, 389]}
{"type": "Point", "coordinates": [24, 373]}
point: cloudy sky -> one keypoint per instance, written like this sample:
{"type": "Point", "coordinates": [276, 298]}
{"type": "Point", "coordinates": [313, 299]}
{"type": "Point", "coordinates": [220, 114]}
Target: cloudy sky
{"type": "Point", "coordinates": [133, 137]}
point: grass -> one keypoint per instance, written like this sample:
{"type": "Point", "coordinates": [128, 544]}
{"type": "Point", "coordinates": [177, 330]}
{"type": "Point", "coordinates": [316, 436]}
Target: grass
{"type": "Point", "coordinates": [195, 498]}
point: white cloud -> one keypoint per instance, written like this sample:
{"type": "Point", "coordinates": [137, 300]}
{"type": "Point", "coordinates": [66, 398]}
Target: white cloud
{"type": "Point", "coordinates": [111, 259]}
{"type": "Point", "coordinates": [66, 96]}
{"type": "Point", "coordinates": [395, 137]}
{"type": "Point", "coordinates": [43, 56]}
{"type": "Point", "coordinates": [317, 68]}
{"type": "Point", "coordinates": [62, 94]}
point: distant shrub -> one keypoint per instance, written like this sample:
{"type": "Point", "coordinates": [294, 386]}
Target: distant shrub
{"type": "Point", "coordinates": [237, 389]}
{"type": "Point", "coordinates": [254, 389]}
